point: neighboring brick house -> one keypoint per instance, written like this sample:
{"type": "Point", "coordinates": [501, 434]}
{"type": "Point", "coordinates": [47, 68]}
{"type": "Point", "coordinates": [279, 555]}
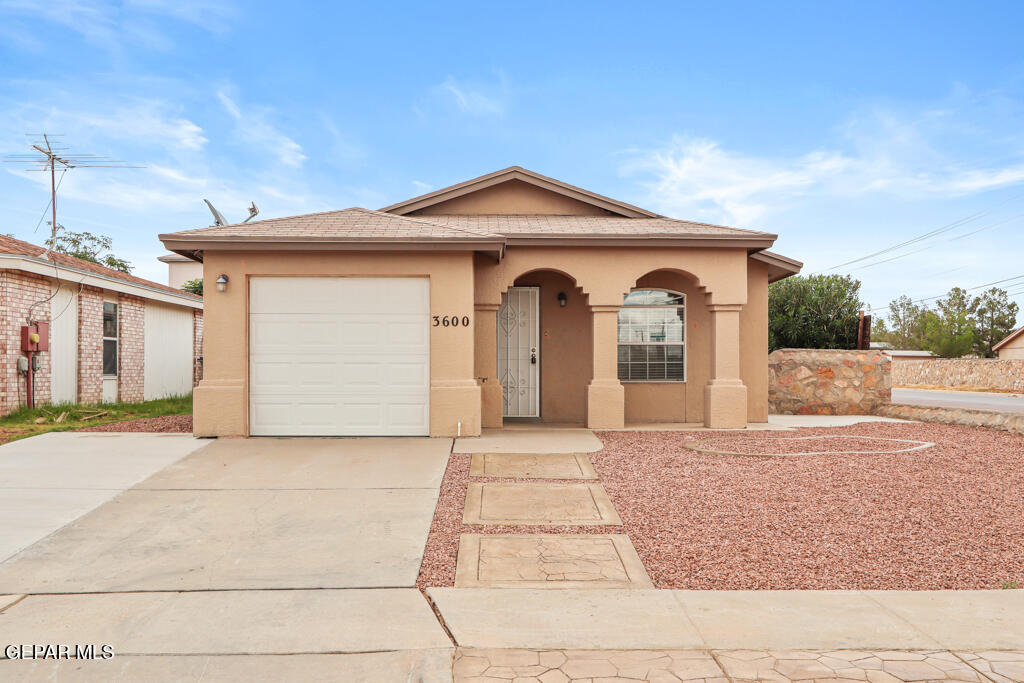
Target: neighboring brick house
{"type": "Point", "coordinates": [113, 336]}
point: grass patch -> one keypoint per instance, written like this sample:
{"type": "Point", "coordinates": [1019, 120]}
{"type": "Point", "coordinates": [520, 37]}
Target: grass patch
{"type": "Point", "coordinates": [1010, 585]}
{"type": "Point", "coordinates": [26, 422]}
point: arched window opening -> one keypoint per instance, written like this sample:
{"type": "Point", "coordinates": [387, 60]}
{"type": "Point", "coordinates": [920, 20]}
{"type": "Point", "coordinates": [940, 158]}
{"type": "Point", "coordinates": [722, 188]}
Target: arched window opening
{"type": "Point", "coordinates": [652, 336]}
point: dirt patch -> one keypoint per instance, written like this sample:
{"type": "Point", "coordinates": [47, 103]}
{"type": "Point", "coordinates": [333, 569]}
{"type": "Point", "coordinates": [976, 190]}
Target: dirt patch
{"type": "Point", "coordinates": [950, 516]}
{"type": "Point", "coordinates": [167, 423]}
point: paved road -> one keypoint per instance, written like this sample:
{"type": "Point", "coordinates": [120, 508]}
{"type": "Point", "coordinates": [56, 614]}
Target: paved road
{"type": "Point", "coordinates": [1009, 403]}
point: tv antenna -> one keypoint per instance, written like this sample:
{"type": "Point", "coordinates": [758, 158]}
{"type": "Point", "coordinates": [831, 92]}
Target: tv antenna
{"type": "Point", "coordinates": [49, 155]}
{"type": "Point", "coordinates": [218, 217]}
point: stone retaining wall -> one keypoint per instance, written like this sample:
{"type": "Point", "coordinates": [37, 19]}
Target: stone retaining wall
{"type": "Point", "coordinates": [987, 373]}
{"type": "Point", "coordinates": [1008, 422]}
{"type": "Point", "coordinates": [827, 382]}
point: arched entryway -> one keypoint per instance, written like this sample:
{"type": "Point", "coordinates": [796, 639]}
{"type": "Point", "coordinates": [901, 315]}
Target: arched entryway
{"type": "Point", "coordinates": [545, 357]}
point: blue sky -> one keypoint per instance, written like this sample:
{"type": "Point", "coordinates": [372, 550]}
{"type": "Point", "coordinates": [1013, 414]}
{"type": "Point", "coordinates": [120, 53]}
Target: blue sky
{"type": "Point", "coordinates": [843, 128]}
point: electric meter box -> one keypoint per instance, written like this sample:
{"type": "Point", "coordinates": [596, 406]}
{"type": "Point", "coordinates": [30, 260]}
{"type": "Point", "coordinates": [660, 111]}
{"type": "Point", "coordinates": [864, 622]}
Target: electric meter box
{"type": "Point", "coordinates": [35, 337]}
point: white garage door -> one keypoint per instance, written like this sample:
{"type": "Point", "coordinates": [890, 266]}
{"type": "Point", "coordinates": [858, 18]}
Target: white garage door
{"type": "Point", "coordinates": [335, 356]}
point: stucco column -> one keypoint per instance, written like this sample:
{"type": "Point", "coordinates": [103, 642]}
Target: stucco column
{"type": "Point", "coordinates": [606, 399]}
{"type": "Point", "coordinates": [485, 349]}
{"type": "Point", "coordinates": [725, 396]}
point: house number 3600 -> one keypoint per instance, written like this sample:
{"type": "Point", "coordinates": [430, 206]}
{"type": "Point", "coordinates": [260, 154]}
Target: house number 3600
{"type": "Point", "coordinates": [451, 321]}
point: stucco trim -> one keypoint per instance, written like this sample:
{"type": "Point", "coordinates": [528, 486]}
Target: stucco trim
{"type": "Point", "coordinates": [780, 267]}
{"type": "Point", "coordinates": [1008, 338]}
{"type": "Point", "coordinates": [526, 176]}
{"type": "Point", "coordinates": [50, 269]}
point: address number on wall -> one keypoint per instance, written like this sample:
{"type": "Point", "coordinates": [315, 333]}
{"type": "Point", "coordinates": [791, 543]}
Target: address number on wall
{"type": "Point", "coordinates": [450, 321]}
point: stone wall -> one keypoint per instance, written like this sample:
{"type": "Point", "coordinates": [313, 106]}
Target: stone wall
{"type": "Point", "coordinates": [1008, 422]}
{"type": "Point", "coordinates": [827, 382]}
{"type": "Point", "coordinates": [985, 373]}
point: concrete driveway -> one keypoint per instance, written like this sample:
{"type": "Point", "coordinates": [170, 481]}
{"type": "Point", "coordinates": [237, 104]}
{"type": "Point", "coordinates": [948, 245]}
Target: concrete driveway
{"type": "Point", "coordinates": [970, 400]}
{"type": "Point", "coordinates": [52, 479]}
{"type": "Point", "coordinates": [261, 547]}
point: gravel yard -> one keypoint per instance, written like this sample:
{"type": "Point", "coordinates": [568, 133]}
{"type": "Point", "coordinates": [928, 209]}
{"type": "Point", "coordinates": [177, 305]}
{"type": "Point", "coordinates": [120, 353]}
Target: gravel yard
{"type": "Point", "coordinates": [947, 516]}
{"type": "Point", "coordinates": [165, 423]}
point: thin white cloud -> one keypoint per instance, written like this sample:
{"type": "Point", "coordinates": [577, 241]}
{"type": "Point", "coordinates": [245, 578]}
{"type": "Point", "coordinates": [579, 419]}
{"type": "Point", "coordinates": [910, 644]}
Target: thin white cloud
{"type": "Point", "coordinates": [470, 100]}
{"type": "Point", "coordinates": [105, 22]}
{"type": "Point", "coordinates": [422, 187]}
{"type": "Point", "coordinates": [877, 153]}
{"type": "Point", "coordinates": [254, 128]}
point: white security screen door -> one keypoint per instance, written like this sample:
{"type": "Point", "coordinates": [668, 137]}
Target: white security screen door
{"type": "Point", "coordinates": [518, 351]}
{"type": "Point", "coordinates": [335, 356]}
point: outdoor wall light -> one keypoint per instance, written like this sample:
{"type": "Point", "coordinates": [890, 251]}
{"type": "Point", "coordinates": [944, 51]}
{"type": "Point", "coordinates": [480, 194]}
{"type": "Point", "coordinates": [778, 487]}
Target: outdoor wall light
{"type": "Point", "coordinates": [222, 282]}
{"type": "Point", "coordinates": [562, 299]}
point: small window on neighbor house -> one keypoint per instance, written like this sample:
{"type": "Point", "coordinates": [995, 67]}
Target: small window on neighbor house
{"type": "Point", "coordinates": [109, 338]}
{"type": "Point", "coordinates": [652, 336]}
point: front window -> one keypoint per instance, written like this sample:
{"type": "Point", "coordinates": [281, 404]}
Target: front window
{"type": "Point", "coordinates": [652, 336]}
{"type": "Point", "coordinates": [109, 338]}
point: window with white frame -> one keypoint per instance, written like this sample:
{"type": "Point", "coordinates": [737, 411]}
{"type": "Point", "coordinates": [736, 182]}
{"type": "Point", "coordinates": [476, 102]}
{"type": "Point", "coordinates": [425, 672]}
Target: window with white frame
{"type": "Point", "coordinates": [652, 336]}
{"type": "Point", "coordinates": [109, 339]}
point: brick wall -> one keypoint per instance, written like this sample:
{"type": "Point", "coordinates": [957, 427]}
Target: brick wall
{"type": "Point", "coordinates": [18, 292]}
{"type": "Point", "coordinates": [197, 347]}
{"type": "Point", "coordinates": [90, 345]}
{"type": "Point", "coordinates": [131, 340]}
{"type": "Point", "coordinates": [982, 373]}
{"type": "Point", "coordinates": [827, 382]}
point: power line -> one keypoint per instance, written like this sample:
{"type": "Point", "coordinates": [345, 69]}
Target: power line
{"type": "Point", "coordinates": [969, 289]}
{"type": "Point", "coordinates": [931, 233]}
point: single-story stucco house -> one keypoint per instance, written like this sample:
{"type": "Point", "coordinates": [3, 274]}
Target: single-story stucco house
{"type": "Point", "coordinates": [108, 335]}
{"type": "Point", "coordinates": [1012, 346]}
{"type": "Point", "coordinates": [512, 296]}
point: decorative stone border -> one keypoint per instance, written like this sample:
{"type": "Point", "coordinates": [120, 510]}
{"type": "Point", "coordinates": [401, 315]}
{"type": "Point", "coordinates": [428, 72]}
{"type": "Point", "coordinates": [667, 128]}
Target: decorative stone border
{"type": "Point", "coordinates": [1007, 422]}
{"type": "Point", "coordinates": [920, 445]}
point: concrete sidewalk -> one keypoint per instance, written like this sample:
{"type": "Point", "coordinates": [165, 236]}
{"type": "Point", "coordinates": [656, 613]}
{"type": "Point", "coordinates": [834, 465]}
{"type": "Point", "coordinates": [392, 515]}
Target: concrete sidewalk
{"type": "Point", "coordinates": [782, 620]}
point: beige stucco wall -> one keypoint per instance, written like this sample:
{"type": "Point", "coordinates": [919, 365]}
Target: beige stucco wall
{"type": "Point", "coordinates": [716, 276]}
{"type": "Point", "coordinates": [513, 197]}
{"type": "Point", "coordinates": [221, 399]}
{"type": "Point", "coordinates": [180, 272]}
{"type": "Point", "coordinates": [578, 343]}
{"type": "Point", "coordinates": [1013, 350]}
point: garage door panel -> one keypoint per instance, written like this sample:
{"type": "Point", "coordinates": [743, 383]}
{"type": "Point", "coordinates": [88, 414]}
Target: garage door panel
{"type": "Point", "coordinates": [339, 356]}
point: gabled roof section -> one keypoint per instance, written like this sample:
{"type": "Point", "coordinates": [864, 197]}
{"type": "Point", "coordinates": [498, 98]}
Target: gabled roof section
{"type": "Point", "coordinates": [592, 226]}
{"type": "Point", "coordinates": [1009, 338]}
{"type": "Point", "coordinates": [16, 247]}
{"type": "Point", "coordinates": [521, 174]}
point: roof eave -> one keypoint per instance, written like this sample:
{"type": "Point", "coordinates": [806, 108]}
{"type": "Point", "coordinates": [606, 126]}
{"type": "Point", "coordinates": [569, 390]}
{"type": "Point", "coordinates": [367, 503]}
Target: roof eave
{"type": "Point", "coordinates": [1009, 338]}
{"type": "Point", "coordinates": [780, 267]}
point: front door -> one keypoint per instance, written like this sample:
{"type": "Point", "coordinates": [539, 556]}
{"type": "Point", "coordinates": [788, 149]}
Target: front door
{"type": "Point", "coordinates": [519, 351]}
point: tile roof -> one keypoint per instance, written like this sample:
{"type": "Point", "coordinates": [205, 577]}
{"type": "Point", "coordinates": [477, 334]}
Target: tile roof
{"type": "Point", "coordinates": [9, 245]}
{"type": "Point", "coordinates": [364, 224]}
{"type": "Point", "coordinates": [354, 223]}
{"type": "Point", "coordinates": [580, 226]}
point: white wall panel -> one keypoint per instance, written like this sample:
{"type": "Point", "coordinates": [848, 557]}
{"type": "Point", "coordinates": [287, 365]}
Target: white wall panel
{"type": "Point", "coordinates": [168, 352]}
{"type": "Point", "coordinates": [64, 344]}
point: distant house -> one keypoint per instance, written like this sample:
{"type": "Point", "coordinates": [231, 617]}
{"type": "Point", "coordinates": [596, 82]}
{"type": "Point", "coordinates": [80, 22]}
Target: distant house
{"type": "Point", "coordinates": [1012, 346]}
{"type": "Point", "coordinates": [112, 336]}
{"type": "Point", "coordinates": [899, 355]}
{"type": "Point", "coordinates": [181, 269]}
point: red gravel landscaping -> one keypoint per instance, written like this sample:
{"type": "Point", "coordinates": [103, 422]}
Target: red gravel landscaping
{"type": "Point", "coordinates": [949, 516]}
{"type": "Point", "coordinates": [166, 423]}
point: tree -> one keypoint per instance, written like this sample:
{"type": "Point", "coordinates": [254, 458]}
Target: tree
{"type": "Point", "coordinates": [88, 247]}
{"type": "Point", "coordinates": [814, 312]}
{"type": "Point", "coordinates": [996, 317]}
{"type": "Point", "coordinates": [907, 321]}
{"type": "Point", "coordinates": [194, 286]}
{"type": "Point", "coordinates": [949, 331]}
